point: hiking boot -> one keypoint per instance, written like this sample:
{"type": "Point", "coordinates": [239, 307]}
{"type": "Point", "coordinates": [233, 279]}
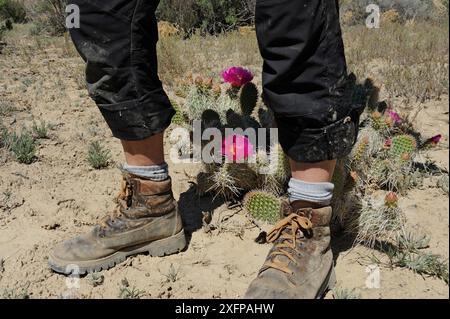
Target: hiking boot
{"type": "Point", "coordinates": [146, 220]}
{"type": "Point", "coordinates": [300, 264]}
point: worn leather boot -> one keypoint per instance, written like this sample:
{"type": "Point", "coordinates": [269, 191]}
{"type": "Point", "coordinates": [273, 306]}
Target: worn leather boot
{"type": "Point", "coordinates": [300, 264]}
{"type": "Point", "coordinates": [146, 220]}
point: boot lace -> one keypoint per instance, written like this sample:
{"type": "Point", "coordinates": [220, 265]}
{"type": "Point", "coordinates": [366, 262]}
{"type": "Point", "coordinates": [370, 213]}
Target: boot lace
{"type": "Point", "coordinates": [123, 200]}
{"type": "Point", "coordinates": [284, 234]}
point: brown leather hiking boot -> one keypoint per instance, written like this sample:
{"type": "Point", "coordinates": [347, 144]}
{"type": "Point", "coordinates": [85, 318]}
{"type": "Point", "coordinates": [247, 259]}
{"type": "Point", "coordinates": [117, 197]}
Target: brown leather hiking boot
{"type": "Point", "coordinates": [145, 220]}
{"type": "Point", "coordinates": [300, 264]}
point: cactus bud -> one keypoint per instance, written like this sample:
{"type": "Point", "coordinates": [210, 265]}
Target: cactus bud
{"type": "Point", "coordinates": [391, 200]}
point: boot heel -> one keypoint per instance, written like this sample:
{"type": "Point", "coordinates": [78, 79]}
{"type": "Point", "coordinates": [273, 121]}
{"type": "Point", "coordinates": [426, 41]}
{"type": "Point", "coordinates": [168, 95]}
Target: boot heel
{"type": "Point", "coordinates": [167, 246]}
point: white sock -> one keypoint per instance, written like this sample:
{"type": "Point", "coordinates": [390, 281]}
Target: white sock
{"type": "Point", "coordinates": [155, 173]}
{"type": "Point", "coordinates": [317, 193]}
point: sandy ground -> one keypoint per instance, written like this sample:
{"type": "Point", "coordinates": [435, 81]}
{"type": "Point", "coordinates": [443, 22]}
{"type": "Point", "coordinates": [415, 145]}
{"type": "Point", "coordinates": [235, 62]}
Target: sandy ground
{"type": "Point", "coordinates": [60, 196]}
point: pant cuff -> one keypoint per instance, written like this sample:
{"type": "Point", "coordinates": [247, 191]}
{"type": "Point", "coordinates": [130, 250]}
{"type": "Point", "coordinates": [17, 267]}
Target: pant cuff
{"type": "Point", "coordinates": [135, 121]}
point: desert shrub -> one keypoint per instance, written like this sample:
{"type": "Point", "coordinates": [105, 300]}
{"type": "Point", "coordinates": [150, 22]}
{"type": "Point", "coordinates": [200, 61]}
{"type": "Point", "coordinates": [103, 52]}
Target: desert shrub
{"type": "Point", "coordinates": [354, 11]}
{"type": "Point", "coordinates": [210, 16]}
{"type": "Point", "coordinates": [410, 60]}
{"type": "Point", "coordinates": [408, 251]}
{"type": "Point", "coordinates": [21, 293]}
{"type": "Point", "coordinates": [6, 108]}
{"type": "Point", "coordinates": [2, 33]}
{"type": "Point", "coordinates": [4, 27]}
{"type": "Point", "coordinates": [178, 57]}
{"type": "Point", "coordinates": [48, 16]}
{"type": "Point", "coordinates": [14, 10]}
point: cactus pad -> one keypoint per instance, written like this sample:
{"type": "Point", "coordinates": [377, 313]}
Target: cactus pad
{"type": "Point", "coordinates": [248, 98]}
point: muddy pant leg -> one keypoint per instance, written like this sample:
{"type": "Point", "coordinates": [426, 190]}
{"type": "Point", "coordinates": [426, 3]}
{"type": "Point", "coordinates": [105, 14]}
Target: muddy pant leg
{"type": "Point", "coordinates": [305, 77]}
{"type": "Point", "coordinates": [117, 39]}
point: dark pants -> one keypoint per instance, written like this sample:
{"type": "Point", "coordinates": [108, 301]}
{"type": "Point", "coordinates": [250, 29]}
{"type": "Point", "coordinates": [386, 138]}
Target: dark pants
{"type": "Point", "coordinates": [304, 73]}
{"type": "Point", "coordinates": [305, 77]}
{"type": "Point", "coordinates": [117, 39]}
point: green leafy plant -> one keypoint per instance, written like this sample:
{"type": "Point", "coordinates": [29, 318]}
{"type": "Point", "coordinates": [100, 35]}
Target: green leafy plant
{"type": "Point", "coordinates": [172, 274]}
{"type": "Point", "coordinates": [41, 129]}
{"type": "Point", "coordinates": [412, 241]}
{"type": "Point", "coordinates": [130, 293]}
{"type": "Point", "coordinates": [95, 279]}
{"type": "Point", "coordinates": [127, 292]}
{"type": "Point", "coordinates": [343, 293]}
{"type": "Point", "coordinates": [15, 294]}
{"type": "Point", "coordinates": [22, 146]}
{"type": "Point", "coordinates": [98, 157]}
{"type": "Point", "coordinates": [423, 264]}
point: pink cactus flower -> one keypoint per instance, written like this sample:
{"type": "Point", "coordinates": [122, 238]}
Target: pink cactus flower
{"type": "Point", "coordinates": [237, 147]}
{"type": "Point", "coordinates": [436, 139]}
{"type": "Point", "coordinates": [395, 117]}
{"type": "Point", "coordinates": [237, 76]}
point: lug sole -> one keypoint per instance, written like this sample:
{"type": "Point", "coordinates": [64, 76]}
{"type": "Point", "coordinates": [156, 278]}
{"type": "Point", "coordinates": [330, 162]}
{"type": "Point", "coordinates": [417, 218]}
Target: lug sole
{"type": "Point", "coordinates": [159, 248]}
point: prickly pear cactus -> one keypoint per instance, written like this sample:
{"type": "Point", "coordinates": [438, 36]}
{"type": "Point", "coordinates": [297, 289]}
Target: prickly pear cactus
{"type": "Point", "coordinates": [262, 206]}
{"type": "Point", "coordinates": [234, 120]}
{"type": "Point", "coordinates": [248, 98]}
{"type": "Point", "coordinates": [210, 118]}
{"type": "Point", "coordinates": [403, 146]}
{"type": "Point", "coordinates": [265, 117]}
